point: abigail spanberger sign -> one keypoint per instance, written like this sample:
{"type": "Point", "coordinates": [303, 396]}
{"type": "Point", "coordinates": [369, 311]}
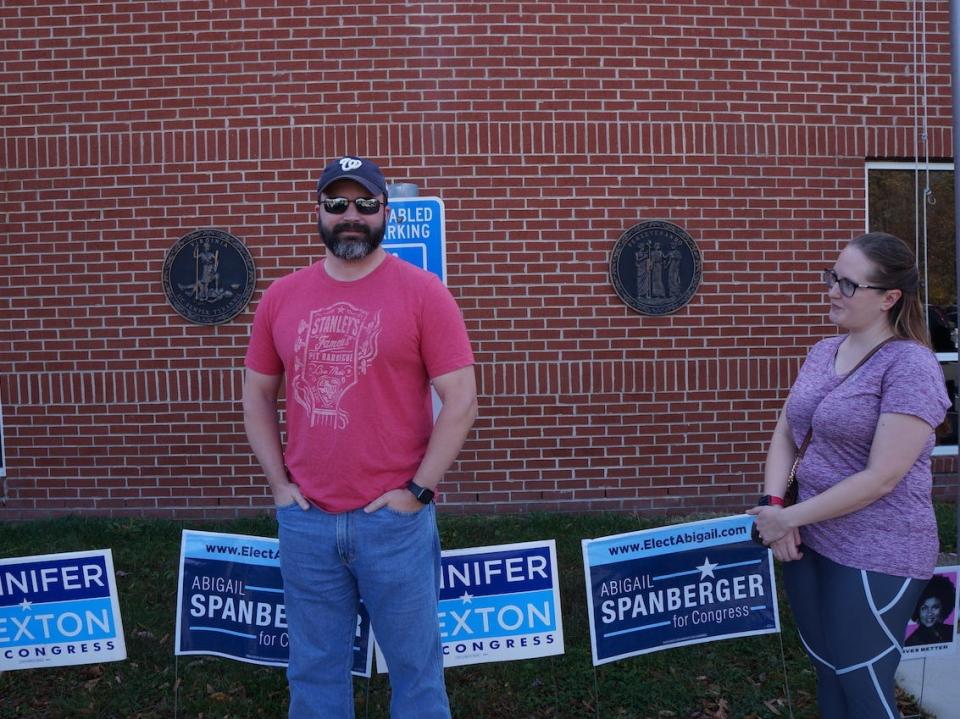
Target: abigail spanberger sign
{"type": "Point", "coordinates": [677, 585]}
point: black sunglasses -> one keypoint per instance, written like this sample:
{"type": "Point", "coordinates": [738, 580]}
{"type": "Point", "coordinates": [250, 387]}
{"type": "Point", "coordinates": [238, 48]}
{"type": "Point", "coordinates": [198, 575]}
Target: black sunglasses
{"type": "Point", "coordinates": [339, 205]}
{"type": "Point", "coordinates": [847, 287]}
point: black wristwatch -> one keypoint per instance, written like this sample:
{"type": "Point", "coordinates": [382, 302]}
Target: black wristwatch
{"type": "Point", "coordinates": [423, 495]}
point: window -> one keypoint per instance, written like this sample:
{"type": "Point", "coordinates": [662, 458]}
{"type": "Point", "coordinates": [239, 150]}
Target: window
{"type": "Point", "coordinates": [899, 202]}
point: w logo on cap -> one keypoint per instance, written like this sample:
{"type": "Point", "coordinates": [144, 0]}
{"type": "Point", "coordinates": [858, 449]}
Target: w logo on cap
{"type": "Point", "coordinates": [355, 169]}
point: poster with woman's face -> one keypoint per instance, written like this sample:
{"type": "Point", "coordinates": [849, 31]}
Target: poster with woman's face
{"type": "Point", "coordinates": [932, 628]}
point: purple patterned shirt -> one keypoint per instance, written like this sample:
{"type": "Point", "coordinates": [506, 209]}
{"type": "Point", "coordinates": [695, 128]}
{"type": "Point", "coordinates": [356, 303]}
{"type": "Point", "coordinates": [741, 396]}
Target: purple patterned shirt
{"type": "Point", "coordinates": [897, 534]}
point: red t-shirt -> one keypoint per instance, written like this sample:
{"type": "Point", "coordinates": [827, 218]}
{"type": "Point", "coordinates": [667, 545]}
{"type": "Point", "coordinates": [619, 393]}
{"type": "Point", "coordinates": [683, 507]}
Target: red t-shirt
{"type": "Point", "coordinates": [358, 358]}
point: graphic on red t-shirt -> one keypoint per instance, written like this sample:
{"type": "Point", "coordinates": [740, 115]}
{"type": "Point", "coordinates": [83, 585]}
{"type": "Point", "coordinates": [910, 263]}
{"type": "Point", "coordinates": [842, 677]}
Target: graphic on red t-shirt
{"type": "Point", "coordinates": [333, 349]}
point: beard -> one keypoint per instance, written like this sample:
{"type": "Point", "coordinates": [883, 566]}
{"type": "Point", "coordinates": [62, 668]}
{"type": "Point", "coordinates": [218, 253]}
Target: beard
{"type": "Point", "coordinates": [351, 249]}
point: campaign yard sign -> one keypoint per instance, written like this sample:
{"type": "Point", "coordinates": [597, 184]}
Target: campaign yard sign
{"type": "Point", "coordinates": [59, 610]}
{"type": "Point", "coordinates": [932, 629]}
{"type": "Point", "coordinates": [230, 602]}
{"type": "Point", "coordinates": [498, 604]}
{"type": "Point", "coordinates": [672, 586]}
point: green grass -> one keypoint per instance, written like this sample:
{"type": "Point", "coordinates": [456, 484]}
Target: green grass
{"type": "Point", "coordinates": [720, 680]}
{"type": "Point", "coordinates": [947, 523]}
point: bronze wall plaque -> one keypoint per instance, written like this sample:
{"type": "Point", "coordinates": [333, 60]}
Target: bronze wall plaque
{"type": "Point", "coordinates": [209, 277]}
{"type": "Point", "coordinates": [655, 267]}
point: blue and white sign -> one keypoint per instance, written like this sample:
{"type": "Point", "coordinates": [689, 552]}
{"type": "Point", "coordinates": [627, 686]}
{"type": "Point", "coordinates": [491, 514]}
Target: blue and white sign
{"type": "Point", "coordinates": [230, 602]}
{"type": "Point", "coordinates": [59, 610]}
{"type": "Point", "coordinates": [498, 604]}
{"type": "Point", "coordinates": [415, 233]}
{"type": "Point", "coordinates": [678, 585]}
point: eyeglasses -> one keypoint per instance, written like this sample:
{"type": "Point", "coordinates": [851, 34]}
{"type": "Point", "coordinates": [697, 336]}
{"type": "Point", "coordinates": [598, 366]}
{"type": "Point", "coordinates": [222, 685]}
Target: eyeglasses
{"type": "Point", "coordinates": [847, 287]}
{"type": "Point", "coordinates": [339, 205]}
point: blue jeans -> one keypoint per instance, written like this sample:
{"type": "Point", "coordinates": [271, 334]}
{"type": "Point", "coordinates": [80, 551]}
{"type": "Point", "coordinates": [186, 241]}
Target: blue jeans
{"type": "Point", "coordinates": [392, 560]}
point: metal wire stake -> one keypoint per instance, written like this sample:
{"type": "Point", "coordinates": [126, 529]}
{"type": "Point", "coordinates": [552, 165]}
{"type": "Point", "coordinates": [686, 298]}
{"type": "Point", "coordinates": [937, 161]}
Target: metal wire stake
{"type": "Point", "coordinates": [786, 680]}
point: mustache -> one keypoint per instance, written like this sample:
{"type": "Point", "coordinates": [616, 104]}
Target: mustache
{"type": "Point", "coordinates": [358, 227]}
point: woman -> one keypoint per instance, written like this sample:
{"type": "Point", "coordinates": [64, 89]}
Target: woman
{"type": "Point", "coordinates": [861, 541]}
{"type": "Point", "coordinates": [935, 604]}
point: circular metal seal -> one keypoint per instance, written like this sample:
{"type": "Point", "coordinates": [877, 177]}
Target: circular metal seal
{"type": "Point", "coordinates": [208, 276]}
{"type": "Point", "coordinates": [655, 268]}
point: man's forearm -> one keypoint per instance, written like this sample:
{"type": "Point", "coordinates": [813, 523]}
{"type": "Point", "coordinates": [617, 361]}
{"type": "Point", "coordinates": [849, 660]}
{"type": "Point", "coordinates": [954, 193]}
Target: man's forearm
{"type": "Point", "coordinates": [263, 432]}
{"type": "Point", "coordinates": [449, 433]}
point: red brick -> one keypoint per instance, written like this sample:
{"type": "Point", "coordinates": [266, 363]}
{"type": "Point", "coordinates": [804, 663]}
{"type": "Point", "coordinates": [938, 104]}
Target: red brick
{"type": "Point", "coordinates": [748, 125]}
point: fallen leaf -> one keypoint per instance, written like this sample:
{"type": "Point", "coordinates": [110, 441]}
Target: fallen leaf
{"type": "Point", "coordinates": [92, 670]}
{"type": "Point", "coordinates": [89, 685]}
{"type": "Point", "coordinates": [773, 705]}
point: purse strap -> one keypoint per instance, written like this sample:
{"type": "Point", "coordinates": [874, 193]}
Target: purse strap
{"type": "Point", "coordinates": [806, 440]}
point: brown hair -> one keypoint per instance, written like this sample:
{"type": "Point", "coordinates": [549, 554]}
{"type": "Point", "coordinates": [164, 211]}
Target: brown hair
{"type": "Point", "coordinates": [896, 269]}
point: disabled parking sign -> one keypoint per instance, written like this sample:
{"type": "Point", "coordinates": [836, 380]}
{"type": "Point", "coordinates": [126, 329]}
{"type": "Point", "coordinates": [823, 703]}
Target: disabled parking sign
{"type": "Point", "coordinates": [415, 233]}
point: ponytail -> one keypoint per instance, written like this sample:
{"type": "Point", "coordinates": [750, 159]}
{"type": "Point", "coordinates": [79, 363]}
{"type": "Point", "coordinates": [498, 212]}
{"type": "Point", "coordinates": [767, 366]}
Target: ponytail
{"type": "Point", "coordinates": [896, 269]}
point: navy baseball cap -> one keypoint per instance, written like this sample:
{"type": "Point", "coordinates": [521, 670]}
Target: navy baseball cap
{"type": "Point", "coordinates": [361, 171]}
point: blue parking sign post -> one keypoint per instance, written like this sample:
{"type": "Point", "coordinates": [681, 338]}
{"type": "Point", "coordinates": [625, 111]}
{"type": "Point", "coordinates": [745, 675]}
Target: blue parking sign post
{"type": "Point", "coordinates": [3, 456]}
{"type": "Point", "coordinates": [415, 233]}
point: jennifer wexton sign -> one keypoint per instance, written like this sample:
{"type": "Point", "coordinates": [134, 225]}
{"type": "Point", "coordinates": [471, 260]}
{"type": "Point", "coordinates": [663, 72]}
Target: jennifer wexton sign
{"type": "Point", "coordinates": [59, 610]}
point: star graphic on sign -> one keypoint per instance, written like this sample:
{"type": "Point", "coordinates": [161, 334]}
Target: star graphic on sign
{"type": "Point", "coordinates": [466, 598]}
{"type": "Point", "coordinates": [26, 606]}
{"type": "Point", "coordinates": [706, 569]}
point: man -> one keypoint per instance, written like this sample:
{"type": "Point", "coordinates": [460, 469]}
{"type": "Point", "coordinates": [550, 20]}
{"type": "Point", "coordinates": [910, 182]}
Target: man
{"type": "Point", "coordinates": [359, 336]}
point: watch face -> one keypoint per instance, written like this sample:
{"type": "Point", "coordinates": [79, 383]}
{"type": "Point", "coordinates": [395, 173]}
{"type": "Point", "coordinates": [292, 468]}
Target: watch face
{"type": "Point", "coordinates": [424, 495]}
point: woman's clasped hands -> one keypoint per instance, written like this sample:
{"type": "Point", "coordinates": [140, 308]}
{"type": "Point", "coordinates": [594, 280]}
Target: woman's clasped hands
{"type": "Point", "coordinates": [777, 533]}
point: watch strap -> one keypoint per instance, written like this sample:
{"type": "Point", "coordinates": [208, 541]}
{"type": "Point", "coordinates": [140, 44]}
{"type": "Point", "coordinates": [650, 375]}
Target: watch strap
{"type": "Point", "coordinates": [423, 495]}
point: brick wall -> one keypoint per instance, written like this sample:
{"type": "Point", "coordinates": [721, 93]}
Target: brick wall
{"type": "Point", "coordinates": [547, 128]}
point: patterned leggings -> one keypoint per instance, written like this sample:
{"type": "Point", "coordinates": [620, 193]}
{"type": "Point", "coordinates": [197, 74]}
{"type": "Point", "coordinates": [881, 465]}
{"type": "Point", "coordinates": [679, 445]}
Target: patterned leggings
{"type": "Point", "coordinates": [852, 623]}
